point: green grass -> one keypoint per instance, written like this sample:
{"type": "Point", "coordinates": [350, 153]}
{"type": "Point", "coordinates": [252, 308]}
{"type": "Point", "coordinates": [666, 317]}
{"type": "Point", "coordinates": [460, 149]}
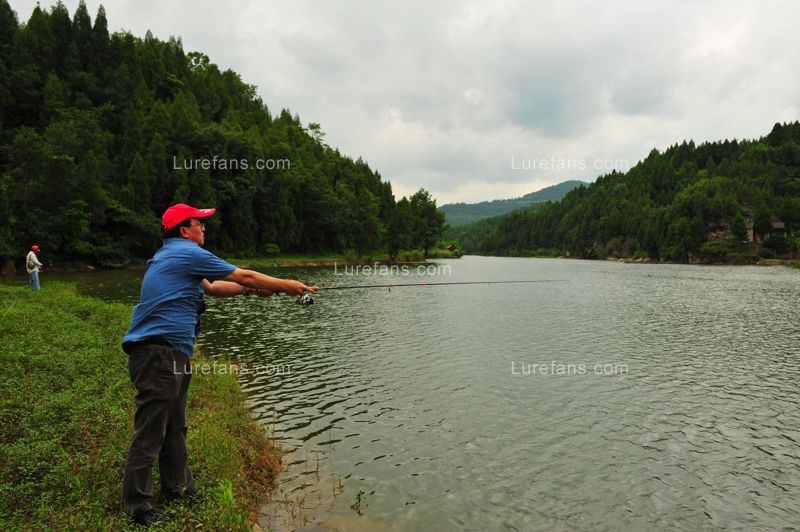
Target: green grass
{"type": "Point", "coordinates": [66, 415]}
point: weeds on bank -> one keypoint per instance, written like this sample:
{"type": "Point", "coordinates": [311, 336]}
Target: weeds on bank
{"type": "Point", "coordinates": [66, 414]}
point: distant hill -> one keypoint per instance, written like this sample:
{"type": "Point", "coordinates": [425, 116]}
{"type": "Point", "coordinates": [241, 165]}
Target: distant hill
{"type": "Point", "coordinates": [714, 202]}
{"type": "Point", "coordinates": [464, 213]}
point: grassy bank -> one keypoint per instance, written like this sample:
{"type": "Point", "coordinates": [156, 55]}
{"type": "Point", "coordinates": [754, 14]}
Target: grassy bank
{"type": "Point", "coordinates": [66, 414]}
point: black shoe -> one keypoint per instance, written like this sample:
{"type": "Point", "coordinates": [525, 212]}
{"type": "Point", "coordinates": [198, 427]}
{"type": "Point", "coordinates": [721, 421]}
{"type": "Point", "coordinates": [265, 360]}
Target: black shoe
{"type": "Point", "coordinates": [150, 518]}
{"type": "Point", "coordinates": [187, 497]}
{"type": "Point", "coordinates": [192, 497]}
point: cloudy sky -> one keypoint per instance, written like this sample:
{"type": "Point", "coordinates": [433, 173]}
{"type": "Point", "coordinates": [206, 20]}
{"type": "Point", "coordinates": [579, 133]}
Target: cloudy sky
{"type": "Point", "coordinates": [478, 100]}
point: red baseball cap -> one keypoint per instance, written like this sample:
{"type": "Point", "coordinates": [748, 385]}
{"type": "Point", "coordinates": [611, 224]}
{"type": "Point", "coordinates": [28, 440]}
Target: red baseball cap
{"type": "Point", "coordinates": [34, 248]}
{"type": "Point", "coordinates": [180, 212]}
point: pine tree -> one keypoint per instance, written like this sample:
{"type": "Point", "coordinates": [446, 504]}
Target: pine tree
{"type": "Point", "coordinates": [427, 222]}
{"type": "Point", "coordinates": [140, 186]}
{"type": "Point", "coordinates": [61, 28]}
{"type": "Point", "coordinates": [8, 27]}
{"type": "Point", "coordinates": [398, 234]}
{"type": "Point", "coordinates": [762, 223]}
{"type": "Point", "coordinates": [82, 35]}
{"type": "Point", "coordinates": [739, 228]}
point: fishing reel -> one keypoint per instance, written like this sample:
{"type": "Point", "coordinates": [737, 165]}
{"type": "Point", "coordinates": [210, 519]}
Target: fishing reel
{"type": "Point", "coordinates": [305, 299]}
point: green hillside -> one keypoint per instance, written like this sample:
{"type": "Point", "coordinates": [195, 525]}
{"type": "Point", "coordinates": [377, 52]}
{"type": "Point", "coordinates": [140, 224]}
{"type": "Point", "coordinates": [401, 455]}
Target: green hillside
{"type": "Point", "coordinates": [100, 132]}
{"type": "Point", "coordinates": [688, 203]}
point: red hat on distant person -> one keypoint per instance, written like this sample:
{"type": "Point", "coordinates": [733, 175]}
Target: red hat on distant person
{"type": "Point", "coordinates": [34, 248]}
{"type": "Point", "coordinates": [180, 212]}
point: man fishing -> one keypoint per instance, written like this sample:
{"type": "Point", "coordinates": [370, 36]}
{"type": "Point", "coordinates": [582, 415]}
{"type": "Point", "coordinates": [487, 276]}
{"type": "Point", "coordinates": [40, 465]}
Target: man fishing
{"type": "Point", "coordinates": [159, 344]}
{"type": "Point", "coordinates": [32, 266]}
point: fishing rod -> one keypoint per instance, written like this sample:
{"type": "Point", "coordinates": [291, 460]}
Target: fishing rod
{"type": "Point", "coordinates": [306, 299]}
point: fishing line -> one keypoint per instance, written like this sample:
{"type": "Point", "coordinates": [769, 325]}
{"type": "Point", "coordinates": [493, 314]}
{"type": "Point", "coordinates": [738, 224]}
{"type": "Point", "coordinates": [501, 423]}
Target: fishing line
{"type": "Point", "coordinates": [306, 299]}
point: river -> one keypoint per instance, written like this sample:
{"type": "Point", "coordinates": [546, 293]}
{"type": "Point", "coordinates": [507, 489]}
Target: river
{"type": "Point", "coordinates": [620, 396]}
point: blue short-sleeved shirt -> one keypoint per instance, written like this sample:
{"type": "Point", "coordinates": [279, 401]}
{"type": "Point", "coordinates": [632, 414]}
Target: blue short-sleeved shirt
{"type": "Point", "coordinates": [172, 294]}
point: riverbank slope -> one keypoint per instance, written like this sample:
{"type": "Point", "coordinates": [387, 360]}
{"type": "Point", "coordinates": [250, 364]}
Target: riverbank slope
{"type": "Point", "coordinates": [66, 414]}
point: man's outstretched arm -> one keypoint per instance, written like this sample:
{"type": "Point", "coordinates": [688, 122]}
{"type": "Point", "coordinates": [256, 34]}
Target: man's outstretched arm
{"type": "Point", "coordinates": [229, 289]}
{"type": "Point", "coordinates": [254, 279]}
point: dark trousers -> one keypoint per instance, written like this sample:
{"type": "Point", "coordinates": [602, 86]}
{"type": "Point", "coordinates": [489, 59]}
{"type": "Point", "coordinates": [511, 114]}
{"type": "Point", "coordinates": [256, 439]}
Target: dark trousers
{"type": "Point", "coordinates": [161, 375]}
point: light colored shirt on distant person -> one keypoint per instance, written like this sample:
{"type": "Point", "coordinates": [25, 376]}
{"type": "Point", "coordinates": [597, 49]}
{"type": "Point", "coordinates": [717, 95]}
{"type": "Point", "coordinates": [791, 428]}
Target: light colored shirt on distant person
{"type": "Point", "coordinates": [32, 263]}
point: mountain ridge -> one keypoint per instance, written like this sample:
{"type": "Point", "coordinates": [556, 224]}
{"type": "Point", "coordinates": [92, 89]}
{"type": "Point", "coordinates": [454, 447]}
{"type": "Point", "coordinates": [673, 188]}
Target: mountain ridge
{"type": "Point", "coordinates": [463, 213]}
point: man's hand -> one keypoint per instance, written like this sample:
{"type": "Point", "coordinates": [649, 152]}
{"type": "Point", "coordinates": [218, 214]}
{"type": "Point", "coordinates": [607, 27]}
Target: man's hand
{"type": "Point", "coordinates": [296, 288]}
{"type": "Point", "coordinates": [274, 285]}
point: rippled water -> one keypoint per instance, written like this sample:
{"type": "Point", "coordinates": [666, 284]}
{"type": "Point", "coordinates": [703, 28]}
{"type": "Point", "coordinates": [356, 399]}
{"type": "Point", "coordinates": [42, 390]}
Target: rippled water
{"type": "Point", "coordinates": [409, 396]}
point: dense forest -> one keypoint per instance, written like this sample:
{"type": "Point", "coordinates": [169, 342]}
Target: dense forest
{"type": "Point", "coordinates": [716, 201]}
{"type": "Point", "coordinates": [464, 213]}
{"type": "Point", "coordinates": [100, 132]}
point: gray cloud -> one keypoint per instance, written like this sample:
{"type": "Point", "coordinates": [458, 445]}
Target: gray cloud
{"type": "Point", "coordinates": [442, 94]}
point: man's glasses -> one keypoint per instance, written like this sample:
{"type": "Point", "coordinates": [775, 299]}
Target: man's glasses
{"type": "Point", "coordinates": [201, 226]}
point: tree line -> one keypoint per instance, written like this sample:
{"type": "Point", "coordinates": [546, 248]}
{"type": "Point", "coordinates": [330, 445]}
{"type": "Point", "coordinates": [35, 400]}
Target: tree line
{"type": "Point", "coordinates": [96, 129]}
{"type": "Point", "coordinates": [688, 202]}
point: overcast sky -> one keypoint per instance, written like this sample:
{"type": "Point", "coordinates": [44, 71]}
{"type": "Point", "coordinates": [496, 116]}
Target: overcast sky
{"type": "Point", "coordinates": [477, 100]}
